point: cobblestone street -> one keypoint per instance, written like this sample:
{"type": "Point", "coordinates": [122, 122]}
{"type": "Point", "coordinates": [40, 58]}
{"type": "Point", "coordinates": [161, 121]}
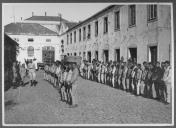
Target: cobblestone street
{"type": "Point", "coordinates": [98, 104]}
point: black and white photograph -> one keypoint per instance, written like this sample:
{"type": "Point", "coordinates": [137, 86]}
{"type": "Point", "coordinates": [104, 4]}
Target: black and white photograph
{"type": "Point", "coordinates": [87, 64]}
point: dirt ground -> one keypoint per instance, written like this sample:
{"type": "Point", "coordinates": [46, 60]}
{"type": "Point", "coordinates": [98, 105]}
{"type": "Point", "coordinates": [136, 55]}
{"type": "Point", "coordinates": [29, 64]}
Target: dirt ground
{"type": "Point", "coordinates": [97, 104]}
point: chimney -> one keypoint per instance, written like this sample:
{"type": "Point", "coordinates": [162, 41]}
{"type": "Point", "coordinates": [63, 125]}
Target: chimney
{"type": "Point", "coordinates": [32, 13]}
{"type": "Point", "coordinates": [45, 13]}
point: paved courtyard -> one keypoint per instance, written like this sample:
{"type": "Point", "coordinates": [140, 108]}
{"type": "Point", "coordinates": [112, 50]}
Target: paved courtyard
{"type": "Point", "coordinates": [98, 104]}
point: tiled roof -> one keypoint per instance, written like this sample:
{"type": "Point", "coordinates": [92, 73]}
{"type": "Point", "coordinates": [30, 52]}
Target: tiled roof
{"type": "Point", "coordinates": [27, 29]}
{"type": "Point", "coordinates": [46, 18]}
{"type": "Point", "coordinates": [52, 18]}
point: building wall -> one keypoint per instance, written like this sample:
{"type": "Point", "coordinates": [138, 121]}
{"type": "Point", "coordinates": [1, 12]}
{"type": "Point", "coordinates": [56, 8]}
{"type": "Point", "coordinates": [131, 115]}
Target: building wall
{"type": "Point", "coordinates": [38, 43]}
{"type": "Point", "coordinates": [143, 35]}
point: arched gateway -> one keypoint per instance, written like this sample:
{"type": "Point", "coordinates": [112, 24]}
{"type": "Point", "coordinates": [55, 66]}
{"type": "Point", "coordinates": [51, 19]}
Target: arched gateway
{"type": "Point", "coordinates": [48, 54]}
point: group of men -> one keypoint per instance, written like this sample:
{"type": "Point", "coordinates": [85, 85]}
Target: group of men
{"type": "Point", "coordinates": [64, 77]}
{"type": "Point", "coordinates": [20, 71]}
{"type": "Point", "coordinates": [147, 79]}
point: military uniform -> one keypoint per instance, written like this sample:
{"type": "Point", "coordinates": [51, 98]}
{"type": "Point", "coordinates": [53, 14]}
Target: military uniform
{"type": "Point", "coordinates": [113, 75]}
{"type": "Point", "coordinates": [138, 81]}
{"type": "Point", "coordinates": [68, 86]}
{"type": "Point", "coordinates": [32, 74]}
{"type": "Point", "coordinates": [119, 76]}
{"type": "Point", "coordinates": [99, 73]}
{"type": "Point", "coordinates": [167, 81]}
{"type": "Point", "coordinates": [124, 72]}
{"type": "Point", "coordinates": [103, 73]}
{"type": "Point", "coordinates": [143, 80]}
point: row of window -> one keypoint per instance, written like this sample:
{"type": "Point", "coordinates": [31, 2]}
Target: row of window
{"type": "Point", "coordinates": [31, 40]}
{"type": "Point", "coordinates": [132, 53]}
{"type": "Point", "coordinates": [151, 15]}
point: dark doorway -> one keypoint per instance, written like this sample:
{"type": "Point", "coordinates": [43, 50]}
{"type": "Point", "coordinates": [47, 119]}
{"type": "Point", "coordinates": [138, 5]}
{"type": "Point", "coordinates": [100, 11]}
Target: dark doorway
{"type": "Point", "coordinates": [106, 56]}
{"type": "Point", "coordinates": [153, 54]}
{"type": "Point", "coordinates": [89, 56]}
{"type": "Point", "coordinates": [96, 55]}
{"type": "Point", "coordinates": [48, 54]}
{"type": "Point", "coordinates": [133, 54]}
{"type": "Point", "coordinates": [117, 55]}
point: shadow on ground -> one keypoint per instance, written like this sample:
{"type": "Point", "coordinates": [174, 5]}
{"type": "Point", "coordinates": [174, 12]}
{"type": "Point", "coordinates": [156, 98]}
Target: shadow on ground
{"type": "Point", "coordinates": [10, 104]}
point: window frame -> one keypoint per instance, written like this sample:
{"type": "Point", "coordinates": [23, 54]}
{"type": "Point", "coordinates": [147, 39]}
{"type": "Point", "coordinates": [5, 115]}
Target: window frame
{"type": "Point", "coordinates": [84, 33]}
{"type": "Point", "coordinates": [28, 51]}
{"type": "Point", "coordinates": [80, 34]}
{"type": "Point", "coordinates": [131, 16]}
{"type": "Point", "coordinates": [71, 38]}
{"type": "Point", "coordinates": [96, 28]}
{"type": "Point", "coordinates": [117, 20]}
{"type": "Point", "coordinates": [75, 36]}
{"type": "Point", "coordinates": [89, 32]}
{"type": "Point", "coordinates": [105, 29]}
{"type": "Point", "coordinates": [152, 14]}
{"type": "Point", "coordinates": [67, 39]}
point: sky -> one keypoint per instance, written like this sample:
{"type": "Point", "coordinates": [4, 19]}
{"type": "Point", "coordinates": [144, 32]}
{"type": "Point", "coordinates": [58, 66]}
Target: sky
{"type": "Point", "coordinates": [70, 11]}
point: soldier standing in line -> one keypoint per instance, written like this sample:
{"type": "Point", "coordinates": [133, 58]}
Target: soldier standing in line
{"type": "Point", "coordinates": [162, 84]}
{"type": "Point", "coordinates": [81, 68]}
{"type": "Point", "coordinates": [113, 74]}
{"type": "Point", "coordinates": [102, 72]}
{"type": "Point", "coordinates": [68, 81]}
{"type": "Point", "coordinates": [129, 67]}
{"type": "Point", "coordinates": [58, 74]}
{"type": "Point", "coordinates": [63, 83]}
{"type": "Point", "coordinates": [167, 81]}
{"type": "Point", "coordinates": [94, 71]}
{"type": "Point", "coordinates": [138, 79]}
{"type": "Point", "coordinates": [119, 75]}
{"type": "Point", "coordinates": [110, 73]}
{"type": "Point", "coordinates": [89, 71]}
{"type": "Point", "coordinates": [99, 72]}
{"type": "Point", "coordinates": [32, 74]}
{"type": "Point", "coordinates": [149, 81]}
{"type": "Point", "coordinates": [86, 70]}
{"type": "Point", "coordinates": [124, 73]}
{"type": "Point", "coordinates": [74, 84]}
{"type": "Point", "coordinates": [116, 74]}
{"type": "Point", "coordinates": [106, 72]}
{"type": "Point", "coordinates": [143, 78]}
{"type": "Point", "coordinates": [133, 73]}
{"type": "Point", "coordinates": [155, 78]}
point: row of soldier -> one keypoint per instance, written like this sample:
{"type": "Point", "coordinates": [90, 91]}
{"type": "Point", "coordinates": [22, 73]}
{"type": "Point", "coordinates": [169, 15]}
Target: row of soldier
{"type": "Point", "coordinates": [64, 77]}
{"type": "Point", "coordinates": [149, 80]}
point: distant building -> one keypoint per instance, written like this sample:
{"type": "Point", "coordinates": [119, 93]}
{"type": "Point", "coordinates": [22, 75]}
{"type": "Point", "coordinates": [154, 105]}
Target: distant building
{"type": "Point", "coordinates": [54, 23]}
{"type": "Point", "coordinates": [34, 40]}
{"type": "Point", "coordinates": [38, 37]}
{"type": "Point", "coordinates": [141, 32]}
